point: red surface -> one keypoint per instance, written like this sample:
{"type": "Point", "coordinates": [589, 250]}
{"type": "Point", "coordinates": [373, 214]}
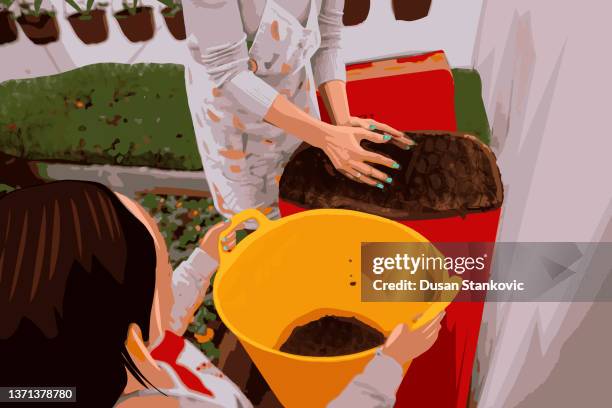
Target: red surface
{"type": "Point", "coordinates": [168, 351]}
{"type": "Point", "coordinates": [425, 101]}
{"type": "Point", "coordinates": [419, 101]}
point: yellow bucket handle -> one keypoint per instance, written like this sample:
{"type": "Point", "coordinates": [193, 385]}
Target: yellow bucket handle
{"type": "Point", "coordinates": [262, 221]}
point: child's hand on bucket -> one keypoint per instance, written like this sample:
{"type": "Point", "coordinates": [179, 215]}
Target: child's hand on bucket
{"type": "Point", "coordinates": [210, 241]}
{"type": "Point", "coordinates": [404, 344]}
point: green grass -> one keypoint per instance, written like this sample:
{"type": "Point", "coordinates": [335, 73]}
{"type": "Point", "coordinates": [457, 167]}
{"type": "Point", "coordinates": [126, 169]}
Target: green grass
{"type": "Point", "coordinates": [135, 115]}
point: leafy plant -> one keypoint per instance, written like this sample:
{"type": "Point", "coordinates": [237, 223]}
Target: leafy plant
{"type": "Point", "coordinates": [131, 7]}
{"type": "Point", "coordinates": [34, 9]}
{"type": "Point", "coordinates": [172, 6]}
{"type": "Point", "coordinates": [5, 4]}
{"type": "Point", "coordinates": [85, 14]}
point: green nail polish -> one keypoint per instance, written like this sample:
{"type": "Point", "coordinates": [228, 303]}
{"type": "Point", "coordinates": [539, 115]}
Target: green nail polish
{"type": "Point", "coordinates": [225, 248]}
{"type": "Point", "coordinates": [407, 147]}
{"type": "Point", "coordinates": [389, 180]}
{"type": "Point", "coordinates": [386, 138]}
{"type": "Point", "coordinates": [372, 127]}
{"type": "Point", "coordinates": [396, 166]}
{"type": "Point", "coordinates": [380, 185]}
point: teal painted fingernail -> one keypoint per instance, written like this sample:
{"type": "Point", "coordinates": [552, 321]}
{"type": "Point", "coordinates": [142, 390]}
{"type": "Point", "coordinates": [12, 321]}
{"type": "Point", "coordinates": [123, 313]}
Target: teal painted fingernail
{"type": "Point", "coordinates": [386, 138]}
{"type": "Point", "coordinates": [223, 239]}
{"type": "Point", "coordinates": [372, 127]}
{"type": "Point", "coordinates": [389, 180]}
{"type": "Point", "coordinates": [225, 248]}
{"type": "Point", "coordinates": [395, 166]}
{"type": "Point", "coordinates": [380, 185]}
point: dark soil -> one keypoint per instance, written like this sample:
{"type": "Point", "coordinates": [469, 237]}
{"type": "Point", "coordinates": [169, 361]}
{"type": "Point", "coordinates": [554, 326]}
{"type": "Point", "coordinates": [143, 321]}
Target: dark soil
{"type": "Point", "coordinates": [175, 23]}
{"type": "Point", "coordinates": [446, 174]}
{"type": "Point", "coordinates": [40, 29]}
{"type": "Point", "coordinates": [139, 26]}
{"type": "Point", "coordinates": [355, 12]}
{"type": "Point", "coordinates": [411, 10]}
{"type": "Point", "coordinates": [92, 30]}
{"type": "Point", "coordinates": [8, 28]}
{"type": "Point", "coordinates": [332, 336]}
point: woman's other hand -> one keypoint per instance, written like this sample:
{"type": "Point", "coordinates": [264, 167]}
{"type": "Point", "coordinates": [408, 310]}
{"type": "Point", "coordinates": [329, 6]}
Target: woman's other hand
{"type": "Point", "coordinates": [397, 138]}
{"type": "Point", "coordinates": [210, 242]}
{"type": "Point", "coordinates": [342, 146]}
{"type": "Point", "coordinates": [404, 344]}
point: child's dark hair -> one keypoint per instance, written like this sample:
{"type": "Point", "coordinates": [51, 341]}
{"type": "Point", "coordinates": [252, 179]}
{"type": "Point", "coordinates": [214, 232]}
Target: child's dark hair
{"type": "Point", "coordinates": [76, 268]}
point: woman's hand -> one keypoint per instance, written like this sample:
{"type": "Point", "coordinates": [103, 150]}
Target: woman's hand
{"type": "Point", "coordinates": [404, 344]}
{"type": "Point", "coordinates": [342, 146]}
{"type": "Point", "coordinates": [398, 138]}
{"type": "Point", "coordinates": [340, 143]}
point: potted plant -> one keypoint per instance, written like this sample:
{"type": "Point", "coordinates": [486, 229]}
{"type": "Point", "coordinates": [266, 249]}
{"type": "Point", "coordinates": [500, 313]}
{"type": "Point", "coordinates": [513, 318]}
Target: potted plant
{"type": "Point", "coordinates": [355, 12]}
{"type": "Point", "coordinates": [173, 14]}
{"type": "Point", "coordinates": [411, 10]}
{"type": "Point", "coordinates": [136, 21]}
{"type": "Point", "coordinates": [38, 24]}
{"type": "Point", "coordinates": [89, 23]}
{"type": "Point", "coordinates": [8, 28]}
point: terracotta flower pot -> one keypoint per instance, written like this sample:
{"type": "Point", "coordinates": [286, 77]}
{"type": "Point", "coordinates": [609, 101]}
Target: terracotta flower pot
{"type": "Point", "coordinates": [41, 29]}
{"type": "Point", "coordinates": [90, 28]}
{"type": "Point", "coordinates": [8, 28]}
{"type": "Point", "coordinates": [175, 23]}
{"type": "Point", "coordinates": [411, 10]}
{"type": "Point", "coordinates": [355, 12]}
{"type": "Point", "coordinates": [139, 26]}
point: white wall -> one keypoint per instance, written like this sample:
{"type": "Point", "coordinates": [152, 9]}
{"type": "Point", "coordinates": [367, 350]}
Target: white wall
{"type": "Point", "coordinates": [451, 26]}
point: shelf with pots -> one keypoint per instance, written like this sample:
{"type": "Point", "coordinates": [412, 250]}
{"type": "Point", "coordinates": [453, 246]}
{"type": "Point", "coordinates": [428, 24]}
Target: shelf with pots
{"type": "Point", "coordinates": [89, 22]}
{"type": "Point", "coordinates": [173, 15]}
{"type": "Point", "coordinates": [38, 24]}
{"type": "Point", "coordinates": [8, 28]}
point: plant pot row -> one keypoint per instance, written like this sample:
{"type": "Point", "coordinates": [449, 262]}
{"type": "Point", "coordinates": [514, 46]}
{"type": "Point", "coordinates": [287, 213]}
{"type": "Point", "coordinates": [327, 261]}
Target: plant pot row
{"type": "Point", "coordinates": [92, 27]}
{"type": "Point", "coordinates": [356, 11]}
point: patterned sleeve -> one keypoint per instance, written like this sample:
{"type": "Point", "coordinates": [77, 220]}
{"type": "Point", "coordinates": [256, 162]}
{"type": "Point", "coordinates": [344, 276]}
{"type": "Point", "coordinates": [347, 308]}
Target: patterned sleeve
{"type": "Point", "coordinates": [328, 63]}
{"type": "Point", "coordinates": [218, 42]}
{"type": "Point", "coordinates": [190, 280]}
{"type": "Point", "coordinates": [375, 387]}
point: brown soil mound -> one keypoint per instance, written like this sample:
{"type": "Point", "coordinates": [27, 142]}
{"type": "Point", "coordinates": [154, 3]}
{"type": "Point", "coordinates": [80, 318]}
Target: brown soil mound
{"type": "Point", "coordinates": [332, 336]}
{"type": "Point", "coordinates": [446, 174]}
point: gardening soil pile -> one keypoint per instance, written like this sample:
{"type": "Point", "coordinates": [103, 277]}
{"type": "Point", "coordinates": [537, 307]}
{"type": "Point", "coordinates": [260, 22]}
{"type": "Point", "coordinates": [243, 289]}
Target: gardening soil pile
{"type": "Point", "coordinates": [445, 174]}
{"type": "Point", "coordinates": [332, 336]}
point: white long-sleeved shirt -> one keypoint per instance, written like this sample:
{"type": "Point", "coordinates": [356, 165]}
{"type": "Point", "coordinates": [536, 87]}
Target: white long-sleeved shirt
{"type": "Point", "coordinates": [218, 31]}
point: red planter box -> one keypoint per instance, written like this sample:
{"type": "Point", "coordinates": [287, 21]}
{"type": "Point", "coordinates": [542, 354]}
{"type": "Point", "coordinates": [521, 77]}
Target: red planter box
{"type": "Point", "coordinates": [417, 93]}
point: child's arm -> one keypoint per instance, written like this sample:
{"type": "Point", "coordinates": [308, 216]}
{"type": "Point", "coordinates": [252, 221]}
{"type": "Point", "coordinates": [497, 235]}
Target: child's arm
{"type": "Point", "coordinates": [377, 384]}
{"type": "Point", "coordinates": [191, 279]}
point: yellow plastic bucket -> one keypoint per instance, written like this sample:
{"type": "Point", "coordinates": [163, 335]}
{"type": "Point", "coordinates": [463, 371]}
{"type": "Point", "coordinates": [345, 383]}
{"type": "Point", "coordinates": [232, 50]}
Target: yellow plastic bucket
{"type": "Point", "coordinates": [298, 269]}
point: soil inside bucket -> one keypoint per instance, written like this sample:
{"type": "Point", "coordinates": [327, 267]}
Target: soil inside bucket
{"type": "Point", "coordinates": [175, 23]}
{"type": "Point", "coordinates": [332, 336]}
{"type": "Point", "coordinates": [139, 26]}
{"type": "Point", "coordinates": [40, 29]}
{"type": "Point", "coordinates": [8, 28]}
{"type": "Point", "coordinates": [445, 174]}
{"type": "Point", "coordinates": [92, 28]}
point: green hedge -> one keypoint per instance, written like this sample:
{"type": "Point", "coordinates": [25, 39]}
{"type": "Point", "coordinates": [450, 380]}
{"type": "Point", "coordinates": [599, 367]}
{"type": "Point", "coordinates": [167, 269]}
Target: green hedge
{"type": "Point", "coordinates": [134, 115]}
{"type": "Point", "coordinates": [101, 114]}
